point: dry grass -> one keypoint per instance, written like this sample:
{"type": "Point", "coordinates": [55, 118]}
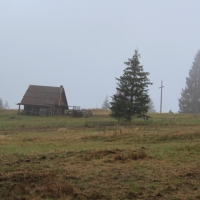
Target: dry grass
{"type": "Point", "coordinates": [61, 158]}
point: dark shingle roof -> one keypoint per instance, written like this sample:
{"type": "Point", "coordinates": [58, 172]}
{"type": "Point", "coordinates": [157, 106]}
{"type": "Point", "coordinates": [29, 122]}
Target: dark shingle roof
{"type": "Point", "coordinates": [44, 95]}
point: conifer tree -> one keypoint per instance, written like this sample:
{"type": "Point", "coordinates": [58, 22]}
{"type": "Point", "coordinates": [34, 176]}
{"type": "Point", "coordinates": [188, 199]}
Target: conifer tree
{"type": "Point", "coordinates": [1, 103]}
{"type": "Point", "coordinates": [106, 104]}
{"type": "Point", "coordinates": [131, 98]}
{"type": "Point", "coordinates": [6, 105]}
{"type": "Point", "coordinates": [190, 96]}
{"type": "Point", "coordinates": [151, 106]}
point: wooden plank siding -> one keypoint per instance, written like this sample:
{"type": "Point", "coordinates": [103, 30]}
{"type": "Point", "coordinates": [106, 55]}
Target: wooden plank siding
{"type": "Point", "coordinates": [44, 100]}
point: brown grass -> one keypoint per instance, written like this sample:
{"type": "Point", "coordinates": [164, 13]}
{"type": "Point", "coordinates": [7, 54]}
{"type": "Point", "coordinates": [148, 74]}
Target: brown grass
{"type": "Point", "coordinates": [158, 160]}
{"type": "Point", "coordinates": [133, 156]}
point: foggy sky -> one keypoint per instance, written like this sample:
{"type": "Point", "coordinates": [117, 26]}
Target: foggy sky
{"type": "Point", "coordinates": [83, 45]}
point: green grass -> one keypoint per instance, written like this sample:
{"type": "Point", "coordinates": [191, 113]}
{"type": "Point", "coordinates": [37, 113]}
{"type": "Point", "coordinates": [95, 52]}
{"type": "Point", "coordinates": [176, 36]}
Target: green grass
{"type": "Point", "coordinates": [98, 158]}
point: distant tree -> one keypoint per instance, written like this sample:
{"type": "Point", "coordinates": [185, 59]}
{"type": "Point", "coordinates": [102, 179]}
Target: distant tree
{"type": "Point", "coordinates": [6, 105]}
{"type": "Point", "coordinates": [151, 106]}
{"type": "Point", "coordinates": [1, 103]}
{"type": "Point", "coordinates": [106, 104]}
{"type": "Point", "coordinates": [190, 96]}
{"type": "Point", "coordinates": [131, 98]}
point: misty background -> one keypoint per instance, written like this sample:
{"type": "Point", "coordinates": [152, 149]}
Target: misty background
{"type": "Point", "coordinates": [83, 45]}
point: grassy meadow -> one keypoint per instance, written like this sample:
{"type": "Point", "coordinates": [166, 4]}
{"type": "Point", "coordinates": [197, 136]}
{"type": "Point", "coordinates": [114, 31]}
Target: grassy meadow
{"type": "Point", "coordinates": [98, 158]}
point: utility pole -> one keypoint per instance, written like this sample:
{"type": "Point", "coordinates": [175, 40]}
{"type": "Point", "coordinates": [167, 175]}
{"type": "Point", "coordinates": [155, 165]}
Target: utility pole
{"type": "Point", "coordinates": [161, 96]}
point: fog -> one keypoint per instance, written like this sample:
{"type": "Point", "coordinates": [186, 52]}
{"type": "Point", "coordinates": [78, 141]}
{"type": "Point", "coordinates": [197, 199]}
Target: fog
{"type": "Point", "coordinates": [83, 45]}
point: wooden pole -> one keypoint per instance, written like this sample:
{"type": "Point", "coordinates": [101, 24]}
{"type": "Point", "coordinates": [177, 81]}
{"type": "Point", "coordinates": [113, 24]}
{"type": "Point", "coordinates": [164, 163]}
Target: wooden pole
{"type": "Point", "coordinates": [161, 96]}
{"type": "Point", "coordinates": [19, 109]}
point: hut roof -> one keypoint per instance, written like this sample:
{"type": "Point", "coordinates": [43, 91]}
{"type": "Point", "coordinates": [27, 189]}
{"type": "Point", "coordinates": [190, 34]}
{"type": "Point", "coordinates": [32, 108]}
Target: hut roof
{"type": "Point", "coordinates": [45, 96]}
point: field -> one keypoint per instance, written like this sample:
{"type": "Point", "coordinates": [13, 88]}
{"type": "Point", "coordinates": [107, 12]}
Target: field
{"type": "Point", "coordinates": [98, 158]}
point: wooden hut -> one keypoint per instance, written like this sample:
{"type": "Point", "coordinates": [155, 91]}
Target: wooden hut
{"type": "Point", "coordinates": [44, 100]}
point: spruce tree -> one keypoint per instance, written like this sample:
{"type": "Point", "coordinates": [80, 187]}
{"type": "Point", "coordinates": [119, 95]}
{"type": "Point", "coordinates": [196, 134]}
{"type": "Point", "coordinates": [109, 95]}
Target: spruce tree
{"type": "Point", "coordinates": [6, 105]}
{"type": "Point", "coordinates": [190, 96]}
{"type": "Point", "coordinates": [151, 106]}
{"type": "Point", "coordinates": [1, 103]}
{"type": "Point", "coordinates": [106, 104]}
{"type": "Point", "coordinates": [131, 99]}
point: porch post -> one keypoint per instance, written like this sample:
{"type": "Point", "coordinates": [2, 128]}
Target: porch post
{"type": "Point", "coordinates": [19, 109]}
